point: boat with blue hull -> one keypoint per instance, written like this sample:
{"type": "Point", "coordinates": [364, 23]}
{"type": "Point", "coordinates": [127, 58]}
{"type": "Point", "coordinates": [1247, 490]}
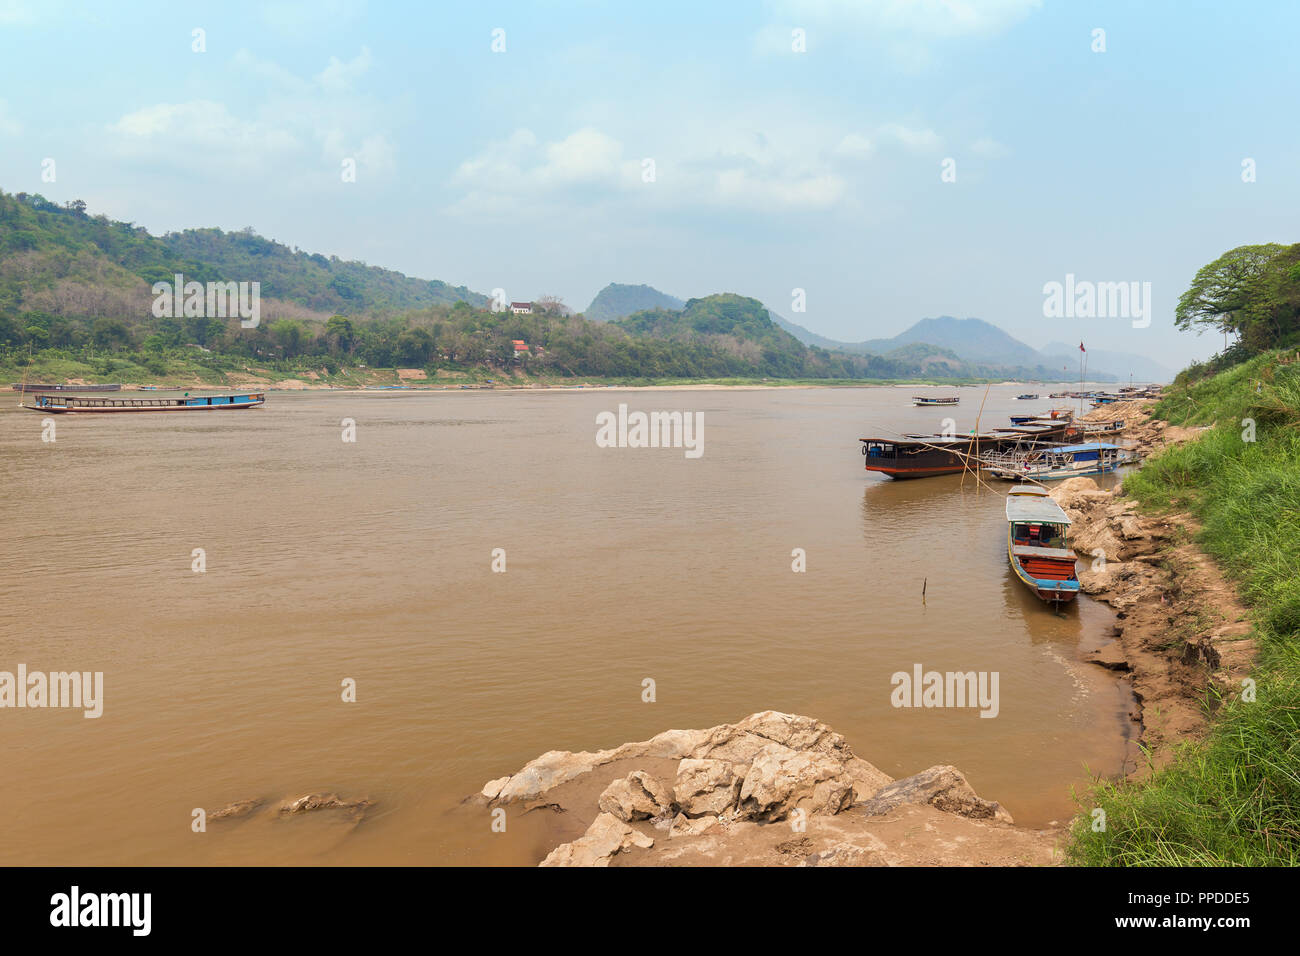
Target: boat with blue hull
{"type": "Point", "coordinates": [80, 404]}
{"type": "Point", "coordinates": [1057, 462]}
{"type": "Point", "coordinates": [1037, 549]}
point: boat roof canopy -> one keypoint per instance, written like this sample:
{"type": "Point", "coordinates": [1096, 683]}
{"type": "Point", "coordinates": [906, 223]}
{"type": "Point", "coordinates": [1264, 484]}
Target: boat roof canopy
{"type": "Point", "coordinates": [1087, 446]}
{"type": "Point", "coordinates": [1028, 503]}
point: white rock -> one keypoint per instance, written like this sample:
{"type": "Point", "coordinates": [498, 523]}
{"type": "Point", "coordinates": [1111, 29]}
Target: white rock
{"type": "Point", "coordinates": [606, 836]}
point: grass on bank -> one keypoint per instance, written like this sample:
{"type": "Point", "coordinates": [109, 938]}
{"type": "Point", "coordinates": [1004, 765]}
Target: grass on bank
{"type": "Point", "coordinates": [1233, 798]}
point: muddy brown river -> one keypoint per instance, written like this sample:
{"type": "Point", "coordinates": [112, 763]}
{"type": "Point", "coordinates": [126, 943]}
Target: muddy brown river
{"type": "Point", "coordinates": [371, 562]}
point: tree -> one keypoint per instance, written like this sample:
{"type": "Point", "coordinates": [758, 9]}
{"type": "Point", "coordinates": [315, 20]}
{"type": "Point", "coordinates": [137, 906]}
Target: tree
{"type": "Point", "coordinates": [551, 305]}
{"type": "Point", "coordinates": [414, 346]}
{"type": "Point", "coordinates": [110, 333]}
{"type": "Point", "coordinates": [339, 331]}
{"type": "Point", "coordinates": [288, 335]}
{"type": "Point", "coordinates": [1221, 291]}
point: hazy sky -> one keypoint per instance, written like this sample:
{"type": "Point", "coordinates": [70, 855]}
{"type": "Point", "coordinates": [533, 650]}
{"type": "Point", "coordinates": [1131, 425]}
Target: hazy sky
{"type": "Point", "coordinates": [774, 169]}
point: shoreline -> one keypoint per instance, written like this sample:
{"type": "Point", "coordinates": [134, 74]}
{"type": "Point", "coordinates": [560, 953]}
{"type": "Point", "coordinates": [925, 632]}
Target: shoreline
{"type": "Point", "coordinates": [712, 797]}
{"type": "Point", "coordinates": [1181, 626]}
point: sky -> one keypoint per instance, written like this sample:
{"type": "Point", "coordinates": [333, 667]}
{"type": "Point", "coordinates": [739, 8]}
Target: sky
{"type": "Point", "coordinates": [892, 159]}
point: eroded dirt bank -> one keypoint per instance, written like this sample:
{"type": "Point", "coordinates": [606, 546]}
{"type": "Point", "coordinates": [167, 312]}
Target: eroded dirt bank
{"type": "Point", "coordinates": [1181, 625]}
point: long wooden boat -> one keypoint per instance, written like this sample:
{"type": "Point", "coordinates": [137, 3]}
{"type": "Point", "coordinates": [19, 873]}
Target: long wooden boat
{"type": "Point", "coordinates": [29, 387]}
{"type": "Point", "coordinates": [1113, 427]}
{"type": "Point", "coordinates": [924, 456]}
{"type": "Point", "coordinates": [1037, 549]}
{"type": "Point", "coordinates": [922, 401]}
{"type": "Point", "coordinates": [188, 403]}
{"type": "Point", "coordinates": [1057, 462]}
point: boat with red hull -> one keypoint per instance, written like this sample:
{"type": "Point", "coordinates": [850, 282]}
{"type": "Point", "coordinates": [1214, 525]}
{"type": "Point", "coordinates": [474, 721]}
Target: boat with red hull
{"type": "Point", "coordinates": [924, 456]}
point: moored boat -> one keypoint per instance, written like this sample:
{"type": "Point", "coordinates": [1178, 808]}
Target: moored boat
{"type": "Point", "coordinates": [186, 403]}
{"type": "Point", "coordinates": [1037, 549]}
{"type": "Point", "coordinates": [924, 456]}
{"type": "Point", "coordinates": [1056, 462]}
{"type": "Point", "coordinates": [1027, 397]}
{"type": "Point", "coordinates": [1112, 427]}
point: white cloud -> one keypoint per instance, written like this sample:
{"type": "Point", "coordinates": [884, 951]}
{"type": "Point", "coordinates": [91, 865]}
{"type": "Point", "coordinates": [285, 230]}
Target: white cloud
{"type": "Point", "coordinates": [201, 130]}
{"type": "Point", "coordinates": [739, 169]}
{"type": "Point", "coordinates": [340, 76]}
{"type": "Point", "coordinates": [855, 146]}
{"type": "Point", "coordinates": [989, 148]}
{"type": "Point", "coordinates": [522, 167]}
{"type": "Point", "coordinates": [294, 114]}
{"type": "Point", "coordinates": [920, 140]}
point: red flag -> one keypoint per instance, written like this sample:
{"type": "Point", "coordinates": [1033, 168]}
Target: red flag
{"type": "Point", "coordinates": [1081, 348]}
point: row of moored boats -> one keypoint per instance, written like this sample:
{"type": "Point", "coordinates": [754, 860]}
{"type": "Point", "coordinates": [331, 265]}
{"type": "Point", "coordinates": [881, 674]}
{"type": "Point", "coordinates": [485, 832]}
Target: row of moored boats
{"type": "Point", "coordinates": [1047, 448]}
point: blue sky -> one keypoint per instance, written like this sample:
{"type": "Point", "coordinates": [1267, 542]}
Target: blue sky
{"type": "Point", "coordinates": [773, 169]}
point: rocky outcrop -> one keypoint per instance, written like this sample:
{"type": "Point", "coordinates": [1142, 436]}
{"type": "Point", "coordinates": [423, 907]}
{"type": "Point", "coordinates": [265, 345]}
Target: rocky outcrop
{"type": "Point", "coordinates": [325, 801]}
{"type": "Point", "coordinates": [762, 791]}
{"type": "Point", "coordinates": [707, 787]}
{"type": "Point", "coordinates": [944, 788]}
{"type": "Point", "coordinates": [606, 837]}
{"type": "Point", "coordinates": [638, 796]}
{"type": "Point", "coordinates": [780, 779]}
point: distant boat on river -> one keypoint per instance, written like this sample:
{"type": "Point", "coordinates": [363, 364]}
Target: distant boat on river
{"type": "Point", "coordinates": [922, 401]}
{"type": "Point", "coordinates": [187, 403]}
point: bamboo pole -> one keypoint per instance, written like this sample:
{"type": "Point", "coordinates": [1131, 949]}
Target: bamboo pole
{"type": "Point", "coordinates": [974, 444]}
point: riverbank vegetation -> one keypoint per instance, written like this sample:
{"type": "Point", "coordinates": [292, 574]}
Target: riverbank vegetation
{"type": "Point", "coordinates": [1234, 797]}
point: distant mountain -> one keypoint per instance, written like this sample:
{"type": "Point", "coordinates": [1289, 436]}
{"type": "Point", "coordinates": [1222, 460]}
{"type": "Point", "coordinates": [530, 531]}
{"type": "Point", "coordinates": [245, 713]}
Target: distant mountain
{"type": "Point", "coordinates": [1120, 364]}
{"type": "Point", "coordinates": [973, 339]}
{"type": "Point", "coordinates": [982, 343]}
{"type": "Point", "coordinates": [616, 301]}
{"type": "Point", "coordinates": [807, 337]}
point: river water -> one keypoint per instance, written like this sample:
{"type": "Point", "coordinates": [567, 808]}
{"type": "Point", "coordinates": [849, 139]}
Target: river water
{"type": "Point", "coordinates": [371, 561]}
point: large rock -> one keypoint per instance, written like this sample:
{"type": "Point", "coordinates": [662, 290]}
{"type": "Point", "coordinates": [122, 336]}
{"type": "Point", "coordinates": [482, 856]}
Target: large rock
{"type": "Point", "coordinates": [638, 796]}
{"type": "Point", "coordinates": [708, 786]}
{"type": "Point", "coordinates": [606, 836]}
{"type": "Point", "coordinates": [944, 788]}
{"type": "Point", "coordinates": [549, 770]}
{"type": "Point", "coordinates": [686, 826]}
{"type": "Point", "coordinates": [779, 780]}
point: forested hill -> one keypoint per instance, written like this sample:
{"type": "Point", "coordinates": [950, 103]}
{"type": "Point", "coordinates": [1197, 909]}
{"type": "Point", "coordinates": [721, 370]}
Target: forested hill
{"type": "Point", "coordinates": [47, 249]}
{"type": "Point", "coordinates": [732, 323]}
{"type": "Point", "coordinates": [616, 301]}
{"type": "Point", "coordinates": [76, 301]}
